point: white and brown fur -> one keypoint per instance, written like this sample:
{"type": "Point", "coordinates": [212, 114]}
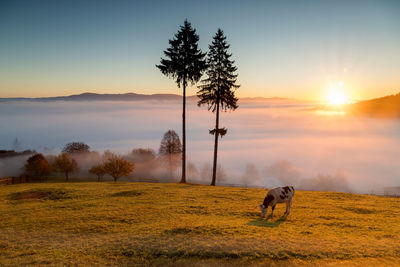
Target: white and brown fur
{"type": "Point", "coordinates": [277, 195]}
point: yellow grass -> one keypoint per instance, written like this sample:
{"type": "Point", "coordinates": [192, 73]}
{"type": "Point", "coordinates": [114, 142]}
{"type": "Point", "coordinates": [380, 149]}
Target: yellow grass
{"type": "Point", "coordinates": [180, 225]}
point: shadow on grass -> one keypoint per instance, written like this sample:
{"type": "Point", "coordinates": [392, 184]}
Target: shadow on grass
{"type": "Point", "coordinates": [130, 193]}
{"type": "Point", "coordinates": [268, 222]}
{"type": "Point", "coordinates": [40, 193]}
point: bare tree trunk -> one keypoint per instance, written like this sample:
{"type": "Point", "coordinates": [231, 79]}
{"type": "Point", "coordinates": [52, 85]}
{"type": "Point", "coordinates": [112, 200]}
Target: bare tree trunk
{"type": "Point", "coordinates": [66, 176]}
{"type": "Point", "coordinates": [183, 180]}
{"type": "Point", "coordinates": [98, 178]}
{"type": "Point", "coordinates": [214, 177]}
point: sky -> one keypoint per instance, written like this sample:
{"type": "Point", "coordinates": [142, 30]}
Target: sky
{"type": "Point", "coordinates": [296, 49]}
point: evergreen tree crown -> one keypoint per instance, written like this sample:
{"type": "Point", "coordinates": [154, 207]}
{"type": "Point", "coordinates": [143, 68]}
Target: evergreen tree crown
{"type": "Point", "coordinates": [220, 85]}
{"type": "Point", "coordinates": [183, 60]}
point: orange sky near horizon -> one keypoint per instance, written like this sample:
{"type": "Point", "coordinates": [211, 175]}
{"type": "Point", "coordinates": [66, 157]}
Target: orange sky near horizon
{"type": "Point", "coordinates": [316, 92]}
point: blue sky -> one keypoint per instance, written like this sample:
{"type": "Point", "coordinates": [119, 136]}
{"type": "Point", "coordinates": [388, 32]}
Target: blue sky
{"type": "Point", "coordinates": [282, 48]}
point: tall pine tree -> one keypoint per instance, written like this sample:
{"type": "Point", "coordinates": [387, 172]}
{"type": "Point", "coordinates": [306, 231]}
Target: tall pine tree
{"type": "Point", "coordinates": [185, 63]}
{"type": "Point", "coordinates": [218, 90]}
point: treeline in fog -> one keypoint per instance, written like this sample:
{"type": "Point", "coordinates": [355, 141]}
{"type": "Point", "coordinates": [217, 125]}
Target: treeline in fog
{"type": "Point", "coordinates": [77, 161]}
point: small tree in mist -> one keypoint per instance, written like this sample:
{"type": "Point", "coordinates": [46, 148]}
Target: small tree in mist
{"type": "Point", "coordinates": [106, 155]}
{"type": "Point", "coordinates": [142, 154]}
{"type": "Point", "coordinates": [171, 148]}
{"type": "Point", "coordinates": [98, 170]}
{"type": "Point", "coordinates": [146, 162]}
{"type": "Point", "coordinates": [117, 167]}
{"type": "Point", "coordinates": [218, 90]}
{"type": "Point", "coordinates": [185, 63]}
{"type": "Point", "coordinates": [76, 147]}
{"type": "Point", "coordinates": [66, 165]}
{"type": "Point", "coordinates": [51, 160]}
{"type": "Point", "coordinates": [37, 166]}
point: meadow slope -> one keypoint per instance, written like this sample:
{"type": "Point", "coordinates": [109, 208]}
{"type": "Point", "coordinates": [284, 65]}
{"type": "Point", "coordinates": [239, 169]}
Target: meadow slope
{"type": "Point", "coordinates": [177, 224]}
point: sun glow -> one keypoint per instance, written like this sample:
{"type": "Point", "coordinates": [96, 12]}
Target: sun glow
{"type": "Point", "coordinates": [337, 95]}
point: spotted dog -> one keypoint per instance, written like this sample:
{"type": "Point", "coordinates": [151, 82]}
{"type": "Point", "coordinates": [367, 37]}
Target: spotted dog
{"type": "Point", "coordinates": [277, 195]}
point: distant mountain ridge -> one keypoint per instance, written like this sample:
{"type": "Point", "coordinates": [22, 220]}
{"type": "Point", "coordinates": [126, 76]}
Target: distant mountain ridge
{"type": "Point", "coordinates": [122, 97]}
{"type": "Point", "coordinates": [385, 107]}
{"type": "Point", "coordinates": [99, 97]}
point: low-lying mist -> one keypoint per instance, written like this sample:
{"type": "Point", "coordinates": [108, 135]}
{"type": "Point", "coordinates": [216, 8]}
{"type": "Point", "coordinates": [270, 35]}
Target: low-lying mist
{"type": "Point", "coordinates": [269, 143]}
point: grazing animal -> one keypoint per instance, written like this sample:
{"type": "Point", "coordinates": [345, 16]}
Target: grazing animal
{"type": "Point", "coordinates": [277, 195]}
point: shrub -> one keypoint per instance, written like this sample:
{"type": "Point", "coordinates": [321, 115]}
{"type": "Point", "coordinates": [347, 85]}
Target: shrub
{"type": "Point", "coordinates": [37, 166]}
{"type": "Point", "coordinates": [116, 166]}
{"type": "Point", "coordinates": [65, 164]}
{"type": "Point", "coordinates": [98, 170]}
{"type": "Point", "coordinates": [76, 147]}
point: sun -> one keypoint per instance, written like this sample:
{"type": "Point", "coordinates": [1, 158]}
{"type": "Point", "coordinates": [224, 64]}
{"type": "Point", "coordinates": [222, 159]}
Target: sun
{"type": "Point", "coordinates": [337, 98]}
{"type": "Point", "coordinates": [337, 95]}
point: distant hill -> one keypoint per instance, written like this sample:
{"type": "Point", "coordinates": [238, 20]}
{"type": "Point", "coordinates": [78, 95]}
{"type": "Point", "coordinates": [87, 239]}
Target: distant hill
{"type": "Point", "coordinates": [127, 97]}
{"type": "Point", "coordinates": [100, 97]}
{"type": "Point", "coordinates": [385, 107]}
{"type": "Point", "coordinates": [12, 153]}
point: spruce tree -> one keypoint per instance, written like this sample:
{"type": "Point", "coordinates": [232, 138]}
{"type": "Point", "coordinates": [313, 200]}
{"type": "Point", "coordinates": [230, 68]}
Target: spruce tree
{"type": "Point", "coordinates": [218, 90]}
{"type": "Point", "coordinates": [185, 63]}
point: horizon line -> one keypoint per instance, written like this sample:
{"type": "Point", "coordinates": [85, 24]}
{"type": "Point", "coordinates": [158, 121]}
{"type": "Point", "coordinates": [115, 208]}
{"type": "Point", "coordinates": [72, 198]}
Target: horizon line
{"type": "Point", "coordinates": [141, 94]}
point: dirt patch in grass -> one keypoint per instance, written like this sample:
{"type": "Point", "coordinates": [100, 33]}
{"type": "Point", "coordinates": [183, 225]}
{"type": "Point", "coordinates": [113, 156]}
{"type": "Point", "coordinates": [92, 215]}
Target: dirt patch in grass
{"type": "Point", "coordinates": [268, 222]}
{"type": "Point", "coordinates": [305, 232]}
{"type": "Point", "coordinates": [51, 194]}
{"type": "Point", "coordinates": [359, 210]}
{"type": "Point", "coordinates": [131, 193]}
{"type": "Point", "coordinates": [198, 210]}
{"type": "Point", "coordinates": [388, 236]}
{"type": "Point", "coordinates": [328, 217]}
{"type": "Point", "coordinates": [342, 225]}
{"type": "Point", "coordinates": [194, 230]}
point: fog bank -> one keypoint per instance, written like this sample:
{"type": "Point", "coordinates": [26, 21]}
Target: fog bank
{"type": "Point", "coordinates": [268, 143]}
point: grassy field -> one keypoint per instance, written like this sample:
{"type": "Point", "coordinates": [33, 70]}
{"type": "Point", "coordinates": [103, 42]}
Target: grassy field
{"type": "Point", "coordinates": [180, 225]}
